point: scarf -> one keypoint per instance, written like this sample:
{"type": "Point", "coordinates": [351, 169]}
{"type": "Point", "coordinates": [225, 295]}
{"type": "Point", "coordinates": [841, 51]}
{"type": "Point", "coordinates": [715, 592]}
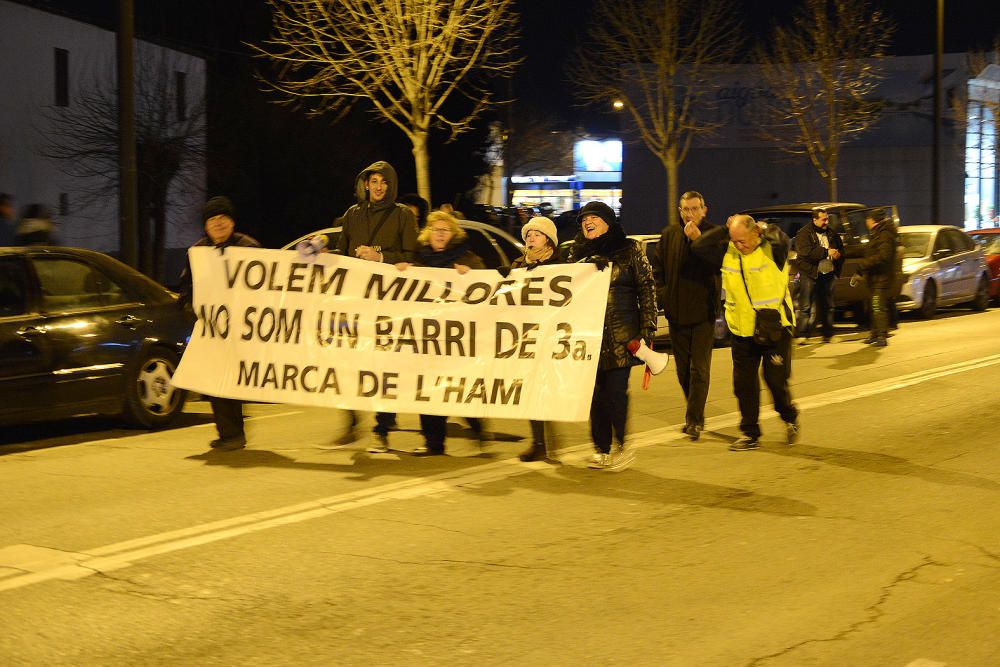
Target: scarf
{"type": "Point", "coordinates": [427, 256]}
{"type": "Point", "coordinates": [604, 245]}
{"type": "Point", "coordinates": [537, 255]}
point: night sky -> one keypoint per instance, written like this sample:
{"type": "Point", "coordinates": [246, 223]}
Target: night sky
{"type": "Point", "coordinates": [309, 182]}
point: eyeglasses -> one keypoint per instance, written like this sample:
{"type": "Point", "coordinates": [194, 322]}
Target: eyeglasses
{"type": "Point", "coordinates": [441, 230]}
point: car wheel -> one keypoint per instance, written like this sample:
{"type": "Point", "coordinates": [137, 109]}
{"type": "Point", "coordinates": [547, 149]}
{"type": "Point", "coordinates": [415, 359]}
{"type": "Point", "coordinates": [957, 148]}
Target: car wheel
{"type": "Point", "coordinates": [929, 306]}
{"type": "Point", "coordinates": [151, 399]}
{"type": "Point", "coordinates": [982, 300]}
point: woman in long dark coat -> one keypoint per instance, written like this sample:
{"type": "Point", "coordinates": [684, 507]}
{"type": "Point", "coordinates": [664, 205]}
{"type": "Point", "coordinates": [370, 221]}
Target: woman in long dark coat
{"type": "Point", "coordinates": [630, 314]}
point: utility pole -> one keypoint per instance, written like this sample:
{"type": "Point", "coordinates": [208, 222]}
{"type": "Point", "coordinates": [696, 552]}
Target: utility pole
{"type": "Point", "coordinates": [936, 152]}
{"type": "Point", "coordinates": [128, 195]}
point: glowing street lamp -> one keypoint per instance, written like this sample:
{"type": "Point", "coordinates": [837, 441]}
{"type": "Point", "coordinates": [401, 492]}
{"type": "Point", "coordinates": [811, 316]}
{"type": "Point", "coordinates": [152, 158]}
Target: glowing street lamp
{"type": "Point", "coordinates": [618, 105]}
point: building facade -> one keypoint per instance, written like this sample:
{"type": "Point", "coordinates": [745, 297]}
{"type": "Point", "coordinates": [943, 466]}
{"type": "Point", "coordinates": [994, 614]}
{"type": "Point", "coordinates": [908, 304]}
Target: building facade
{"type": "Point", "coordinates": [59, 82]}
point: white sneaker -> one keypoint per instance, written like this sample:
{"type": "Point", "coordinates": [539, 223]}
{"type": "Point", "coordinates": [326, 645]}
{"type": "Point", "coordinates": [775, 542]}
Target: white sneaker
{"type": "Point", "coordinates": [599, 461]}
{"type": "Point", "coordinates": [380, 445]}
{"type": "Point", "coordinates": [622, 457]}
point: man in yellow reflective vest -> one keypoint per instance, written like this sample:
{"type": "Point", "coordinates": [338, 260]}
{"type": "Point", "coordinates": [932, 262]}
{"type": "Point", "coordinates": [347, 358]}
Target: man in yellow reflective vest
{"type": "Point", "coordinates": [755, 278]}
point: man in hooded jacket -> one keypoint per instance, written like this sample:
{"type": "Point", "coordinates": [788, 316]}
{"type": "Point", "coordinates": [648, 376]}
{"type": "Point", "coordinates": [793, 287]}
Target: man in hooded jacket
{"type": "Point", "coordinates": [378, 229]}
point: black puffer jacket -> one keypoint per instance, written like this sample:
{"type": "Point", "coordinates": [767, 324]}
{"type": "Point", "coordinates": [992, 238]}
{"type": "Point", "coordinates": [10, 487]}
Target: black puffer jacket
{"type": "Point", "coordinates": [631, 309]}
{"type": "Point", "coordinates": [878, 265]}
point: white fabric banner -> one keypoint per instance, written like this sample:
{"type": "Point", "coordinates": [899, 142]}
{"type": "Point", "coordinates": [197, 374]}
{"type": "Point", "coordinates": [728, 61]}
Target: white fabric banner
{"type": "Point", "coordinates": [328, 330]}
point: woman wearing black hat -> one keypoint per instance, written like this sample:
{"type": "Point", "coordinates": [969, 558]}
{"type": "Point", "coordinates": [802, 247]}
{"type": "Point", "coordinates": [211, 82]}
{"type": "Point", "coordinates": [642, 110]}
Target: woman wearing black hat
{"type": "Point", "coordinates": [630, 314]}
{"type": "Point", "coordinates": [219, 219]}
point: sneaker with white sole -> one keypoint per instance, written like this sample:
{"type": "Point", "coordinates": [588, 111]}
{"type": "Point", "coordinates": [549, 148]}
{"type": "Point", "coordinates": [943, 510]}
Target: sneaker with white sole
{"type": "Point", "coordinates": [792, 432]}
{"type": "Point", "coordinates": [380, 444]}
{"type": "Point", "coordinates": [599, 461]}
{"type": "Point", "coordinates": [744, 443]}
{"type": "Point", "coordinates": [622, 457]}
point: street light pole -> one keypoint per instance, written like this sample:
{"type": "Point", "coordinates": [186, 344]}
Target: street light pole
{"type": "Point", "coordinates": [936, 152]}
{"type": "Point", "coordinates": [128, 198]}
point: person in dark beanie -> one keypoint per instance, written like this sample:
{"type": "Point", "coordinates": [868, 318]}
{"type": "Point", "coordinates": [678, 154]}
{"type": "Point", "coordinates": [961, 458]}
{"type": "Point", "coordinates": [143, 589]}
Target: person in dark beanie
{"type": "Point", "coordinates": [878, 269]}
{"type": "Point", "coordinates": [630, 314]}
{"type": "Point", "coordinates": [219, 221]}
{"type": "Point", "coordinates": [378, 229]}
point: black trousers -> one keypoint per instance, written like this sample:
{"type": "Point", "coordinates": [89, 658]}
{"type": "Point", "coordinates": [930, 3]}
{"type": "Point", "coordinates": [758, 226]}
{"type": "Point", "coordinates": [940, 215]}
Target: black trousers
{"type": "Point", "coordinates": [384, 421]}
{"type": "Point", "coordinates": [228, 415]}
{"type": "Point", "coordinates": [434, 428]}
{"type": "Point", "coordinates": [881, 306]}
{"type": "Point", "coordinates": [609, 408]}
{"type": "Point", "coordinates": [748, 358]}
{"type": "Point", "coordinates": [692, 348]}
{"type": "Point", "coordinates": [815, 298]}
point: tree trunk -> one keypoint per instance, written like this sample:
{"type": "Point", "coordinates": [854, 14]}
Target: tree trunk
{"type": "Point", "coordinates": [422, 162]}
{"type": "Point", "coordinates": [832, 183]}
{"type": "Point", "coordinates": [670, 164]}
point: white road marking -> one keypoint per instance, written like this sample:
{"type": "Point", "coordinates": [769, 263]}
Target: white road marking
{"type": "Point", "coordinates": [20, 573]}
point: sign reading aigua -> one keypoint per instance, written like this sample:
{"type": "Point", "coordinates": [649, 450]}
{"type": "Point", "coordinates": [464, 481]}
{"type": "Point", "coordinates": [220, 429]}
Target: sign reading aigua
{"type": "Point", "coordinates": [276, 327]}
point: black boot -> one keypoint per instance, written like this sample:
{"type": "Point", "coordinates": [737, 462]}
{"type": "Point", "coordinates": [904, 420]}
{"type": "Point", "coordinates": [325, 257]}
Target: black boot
{"type": "Point", "coordinates": [534, 453]}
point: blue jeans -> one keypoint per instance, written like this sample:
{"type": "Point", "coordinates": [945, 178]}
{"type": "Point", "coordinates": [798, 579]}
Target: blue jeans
{"type": "Point", "coordinates": [815, 298]}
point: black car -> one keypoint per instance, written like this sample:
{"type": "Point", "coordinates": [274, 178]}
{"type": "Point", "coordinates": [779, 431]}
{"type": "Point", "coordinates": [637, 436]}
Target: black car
{"type": "Point", "coordinates": [81, 333]}
{"type": "Point", "coordinates": [847, 220]}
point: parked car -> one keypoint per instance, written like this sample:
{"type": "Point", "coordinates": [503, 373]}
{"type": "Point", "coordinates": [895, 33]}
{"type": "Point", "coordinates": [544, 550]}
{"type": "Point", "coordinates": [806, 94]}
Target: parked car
{"type": "Point", "coordinates": [81, 333]}
{"type": "Point", "coordinates": [494, 246]}
{"type": "Point", "coordinates": [848, 220]}
{"type": "Point", "coordinates": [942, 266]}
{"type": "Point", "coordinates": [989, 241]}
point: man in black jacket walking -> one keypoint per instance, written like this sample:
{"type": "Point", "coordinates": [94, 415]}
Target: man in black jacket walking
{"type": "Point", "coordinates": [219, 221]}
{"type": "Point", "coordinates": [878, 268]}
{"type": "Point", "coordinates": [820, 255]}
{"type": "Point", "coordinates": [688, 290]}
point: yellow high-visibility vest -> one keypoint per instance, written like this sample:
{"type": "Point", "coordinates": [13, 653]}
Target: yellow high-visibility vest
{"type": "Point", "coordinates": [767, 283]}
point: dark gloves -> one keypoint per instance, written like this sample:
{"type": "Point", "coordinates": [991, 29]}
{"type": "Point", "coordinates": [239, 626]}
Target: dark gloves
{"type": "Point", "coordinates": [600, 262]}
{"type": "Point", "coordinates": [504, 270]}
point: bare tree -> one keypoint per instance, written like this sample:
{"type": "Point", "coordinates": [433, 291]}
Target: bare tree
{"type": "Point", "coordinates": [656, 57]}
{"type": "Point", "coordinates": [411, 59]}
{"type": "Point", "coordinates": [822, 71]}
{"type": "Point", "coordinates": [82, 139]}
{"type": "Point", "coordinates": [538, 143]}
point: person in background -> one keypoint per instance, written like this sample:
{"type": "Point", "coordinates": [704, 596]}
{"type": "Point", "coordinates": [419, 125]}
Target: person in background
{"type": "Point", "coordinates": [687, 288]}
{"type": "Point", "coordinates": [418, 206]}
{"type": "Point", "coordinates": [820, 253]}
{"type": "Point", "coordinates": [541, 247]}
{"type": "Point", "coordinates": [442, 244]}
{"type": "Point", "coordinates": [878, 269]}
{"type": "Point", "coordinates": [630, 314]}
{"type": "Point", "coordinates": [219, 218]}
{"type": "Point", "coordinates": [36, 227]}
{"type": "Point", "coordinates": [8, 220]}
{"type": "Point", "coordinates": [378, 229]}
{"type": "Point", "coordinates": [755, 278]}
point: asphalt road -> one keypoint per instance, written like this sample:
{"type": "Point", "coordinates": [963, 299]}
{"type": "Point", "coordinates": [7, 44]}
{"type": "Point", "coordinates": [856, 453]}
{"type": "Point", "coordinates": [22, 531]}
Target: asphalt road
{"type": "Point", "coordinates": [873, 541]}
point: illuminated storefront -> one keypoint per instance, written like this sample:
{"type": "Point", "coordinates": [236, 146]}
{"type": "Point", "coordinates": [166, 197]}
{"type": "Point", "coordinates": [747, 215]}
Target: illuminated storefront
{"type": "Point", "coordinates": [982, 188]}
{"type": "Point", "coordinates": [597, 167]}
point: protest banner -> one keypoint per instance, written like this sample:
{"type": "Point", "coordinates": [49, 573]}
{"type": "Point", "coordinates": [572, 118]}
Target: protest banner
{"type": "Point", "coordinates": [275, 326]}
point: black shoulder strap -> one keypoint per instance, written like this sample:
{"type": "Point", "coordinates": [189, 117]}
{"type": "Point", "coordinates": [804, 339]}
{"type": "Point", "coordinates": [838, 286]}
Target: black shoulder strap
{"type": "Point", "coordinates": [378, 225]}
{"type": "Point", "coordinates": [747, 287]}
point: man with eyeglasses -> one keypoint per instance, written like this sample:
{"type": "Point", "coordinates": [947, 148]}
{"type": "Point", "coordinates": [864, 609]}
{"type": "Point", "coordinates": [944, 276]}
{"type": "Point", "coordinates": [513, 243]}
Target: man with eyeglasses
{"type": "Point", "coordinates": [688, 290]}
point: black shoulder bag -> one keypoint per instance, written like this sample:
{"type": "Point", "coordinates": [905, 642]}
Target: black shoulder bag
{"type": "Point", "coordinates": [767, 327]}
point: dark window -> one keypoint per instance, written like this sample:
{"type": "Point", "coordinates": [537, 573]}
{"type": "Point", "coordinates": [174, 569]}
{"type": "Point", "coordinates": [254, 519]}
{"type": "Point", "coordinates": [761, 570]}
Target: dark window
{"type": "Point", "coordinates": [62, 77]}
{"type": "Point", "coordinates": [13, 287]}
{"type": "Point", "coordinates": [180, 83]}
{"type": "Point", "coordinates": [69, 284]}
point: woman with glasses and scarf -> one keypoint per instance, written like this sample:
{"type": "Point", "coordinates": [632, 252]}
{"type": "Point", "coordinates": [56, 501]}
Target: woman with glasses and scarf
{"type": "Point", "coordinates": [442, 244]}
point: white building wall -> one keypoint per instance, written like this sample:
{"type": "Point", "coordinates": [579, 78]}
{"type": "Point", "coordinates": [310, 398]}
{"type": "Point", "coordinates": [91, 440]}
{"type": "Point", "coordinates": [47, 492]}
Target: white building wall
{"type": "Point", "coordinates": [27, 70]}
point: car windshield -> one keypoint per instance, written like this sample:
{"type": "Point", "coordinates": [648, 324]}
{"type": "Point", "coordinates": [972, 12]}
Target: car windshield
{"type": "Point", "coordinates": [915, 243]}
{"type": "Point", "coordinates": [990, 243]}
